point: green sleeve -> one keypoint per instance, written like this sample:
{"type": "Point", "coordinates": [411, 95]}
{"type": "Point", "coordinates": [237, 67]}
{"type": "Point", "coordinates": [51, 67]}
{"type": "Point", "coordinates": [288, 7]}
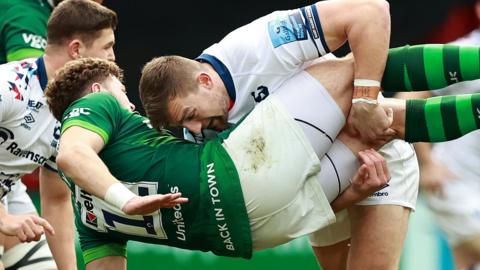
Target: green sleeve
{"type": "Point", "coordinates": [98, 112]}
{"type": "Point", "coordinates": [24, 31]}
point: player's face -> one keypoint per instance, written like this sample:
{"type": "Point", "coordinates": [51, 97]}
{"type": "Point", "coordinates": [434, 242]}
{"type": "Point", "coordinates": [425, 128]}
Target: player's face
{"type": "Point", "coordinates": [102, 47]}
{"type": "Point", "coordinates": [199, 110]}
{"type": "Point", "coordinates": [117, 89]}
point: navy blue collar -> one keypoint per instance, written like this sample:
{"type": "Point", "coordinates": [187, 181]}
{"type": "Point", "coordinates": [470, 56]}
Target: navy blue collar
{"type": "Point", "coordinates": [42, 73]}
{"type": "Point", "coordinates": [223, 72]}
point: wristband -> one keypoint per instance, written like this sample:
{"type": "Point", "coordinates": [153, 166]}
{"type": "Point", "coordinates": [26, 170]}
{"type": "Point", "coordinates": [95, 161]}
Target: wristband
{"type": "Point", "coordinates": [367, 89]}
{"type": "Point", "coordinates": [365, 100]}
{"type": "Point", "coordinates": [118, 195]}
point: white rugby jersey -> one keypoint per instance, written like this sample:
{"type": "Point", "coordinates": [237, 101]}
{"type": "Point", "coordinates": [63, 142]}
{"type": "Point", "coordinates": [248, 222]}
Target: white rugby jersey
{"type": "Point", "coordinates": [463, 154]}
{"type": "Point", "coordinates": [28, 131]}
{"type": "Point", "coordinates": [255, 59]}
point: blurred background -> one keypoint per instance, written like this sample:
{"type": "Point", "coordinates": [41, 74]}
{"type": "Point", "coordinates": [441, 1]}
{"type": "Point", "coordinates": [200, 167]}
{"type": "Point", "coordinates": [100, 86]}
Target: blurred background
{"type": "Point", "coordinates": [152, 28]}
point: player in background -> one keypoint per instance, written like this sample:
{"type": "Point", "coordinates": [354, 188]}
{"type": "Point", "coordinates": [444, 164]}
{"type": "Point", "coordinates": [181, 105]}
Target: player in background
{"type": "Point", "coordinates": [450, 177]}
{"type": "Point", "coordinates": [29, 132]}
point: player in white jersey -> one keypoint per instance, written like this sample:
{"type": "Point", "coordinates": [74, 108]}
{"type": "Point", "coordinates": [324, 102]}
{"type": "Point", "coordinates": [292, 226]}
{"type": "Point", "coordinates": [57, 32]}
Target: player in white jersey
{"type": "Point", "coordinates": [451, 178]}
{"type": "Point", "coordinates": [248, 65]}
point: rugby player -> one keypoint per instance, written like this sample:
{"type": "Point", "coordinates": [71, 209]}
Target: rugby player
{"type": "Point", "coordinates": [250, 63]}
{"type": "Point", "coordinates": [240, 187]}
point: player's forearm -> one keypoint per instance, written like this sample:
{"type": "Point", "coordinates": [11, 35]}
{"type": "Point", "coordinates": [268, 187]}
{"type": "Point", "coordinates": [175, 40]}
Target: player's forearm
{"type": "Point", "coordinates": [82, 164]}
{"type": "Point", "coordinates": [57, 208]}
{"type": "Point", "coordinates": [346, 199]}
{"type": "Point", "coordinates": [60, 215]}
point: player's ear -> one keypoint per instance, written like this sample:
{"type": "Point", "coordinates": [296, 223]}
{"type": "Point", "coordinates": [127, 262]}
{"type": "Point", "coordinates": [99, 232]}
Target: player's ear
{"type": "Point", "coordinates": [205, 80]}
{"type": "Point", "coordinates": [74, 47]}
{"type": "Point", "coordinates": [95, 88]}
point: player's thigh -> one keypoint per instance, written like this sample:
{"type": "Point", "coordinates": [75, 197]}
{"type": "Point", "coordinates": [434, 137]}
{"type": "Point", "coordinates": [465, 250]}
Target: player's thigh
{"type": "Point", "coordinates": [333, 257]}
{"type": "Point", "coordinates": [377, 230]}
{"type": "Point", "coordinates": [336, 75]}
{"type": "Point", "coordinates": [108, 263]}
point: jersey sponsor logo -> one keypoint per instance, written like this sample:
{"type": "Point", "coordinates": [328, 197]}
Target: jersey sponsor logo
{"type": "Point", "coordinates": [34, 105]}
{"type": "Point", "coordinates": [57, 131]}
{"type": "Point", "coordinates": [284, 30]}
{"type": "Point", "coordinates": [29, 119]}
{"type": "Point", "coordinates": [91, 218]}
{"type": "Point", "coordinates": [77, 112]}
{"type": "Point", "coordinates": [311, 22]}
{"type": "Point", "coordinates": [222, 225]}
{"type": "Point", "coordinates": [34, 41]}
{"type": "Point", "coordinates": [5, 135]}
{"type": "Point", "coordinates": [381, 193]}
{"type": "Point", "coordinates": [17, 151]}
{"type": "Point", "coordinates": [178, 220]}
{"type": "Point", "coordinates": [260, 93]}
{"type": "Point", "coordinates": [98, 215]}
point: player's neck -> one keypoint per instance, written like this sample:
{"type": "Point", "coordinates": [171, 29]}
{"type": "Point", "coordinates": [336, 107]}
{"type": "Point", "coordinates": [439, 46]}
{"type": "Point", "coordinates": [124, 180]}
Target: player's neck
{"type": "Point", "coordinates": [54, 60]}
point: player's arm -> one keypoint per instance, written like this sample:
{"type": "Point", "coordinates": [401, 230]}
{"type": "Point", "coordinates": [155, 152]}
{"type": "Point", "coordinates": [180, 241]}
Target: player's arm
{"type": "Point", "coordinates": [26, 227]}
{"type": "Point", "coordinates": [78, 159]}
{"type": "Point", "coordinates": [23, 53]}
{"type": "Point", "coordinates": [433, 173]}
{"type": "Point", "coordinates": [366, 26]}
{"type": "Point", "coordinates": [57, 209]}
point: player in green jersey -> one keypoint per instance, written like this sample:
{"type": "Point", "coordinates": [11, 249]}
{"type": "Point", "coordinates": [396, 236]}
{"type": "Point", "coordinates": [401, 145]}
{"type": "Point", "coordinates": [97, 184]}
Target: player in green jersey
{"type": "Point", "coordinates": [23, 28]}
{"type": "Point", "coordinates": [232, 208]}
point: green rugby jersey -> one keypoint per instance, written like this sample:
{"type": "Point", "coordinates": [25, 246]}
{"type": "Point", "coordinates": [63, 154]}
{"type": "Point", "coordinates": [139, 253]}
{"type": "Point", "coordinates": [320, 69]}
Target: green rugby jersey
{"type": "Point", "coordinates": [150, 162]}
{"type": "Point", "coordinates": [23, 28]}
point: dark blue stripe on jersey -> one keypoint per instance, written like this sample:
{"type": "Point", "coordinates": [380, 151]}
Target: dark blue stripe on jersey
{"type": "Point", "coordinates": [317, 128]}
{"type": "Point", "coordinates": [46, 166]}
{"type": "Point", "coordinates": [42, 72]}
{"type": "Point", "coordinates": [319, 28]}
{"type": "Point", "coordinates": [222, 71]}
{"type": "Point", "coordinates": [336, 173]}
{"type": "Point", "coordinates": [309, 30]}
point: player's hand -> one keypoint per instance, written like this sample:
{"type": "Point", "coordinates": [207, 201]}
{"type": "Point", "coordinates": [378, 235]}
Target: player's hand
{"type": "Point", "coordinates": [372, 175]}
{"type": "Point", "coordinates": [434, 175]}
{"type": "Point", "coordinates": [371, 123]}
{"type": "Point", "coordinates": [143, 205]}
{"type": "Point", "coordinates": [26, 227]}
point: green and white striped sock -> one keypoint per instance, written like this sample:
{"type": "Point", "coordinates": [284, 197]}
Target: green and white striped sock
{"type": "Point", "coordinates": [430, 67]}
{"type": "Point", "coordinates": [441, 119]}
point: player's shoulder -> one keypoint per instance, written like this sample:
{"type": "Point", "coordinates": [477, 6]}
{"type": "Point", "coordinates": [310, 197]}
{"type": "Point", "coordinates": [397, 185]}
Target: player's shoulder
{"type": "Point", "coordinates": [19, 73]}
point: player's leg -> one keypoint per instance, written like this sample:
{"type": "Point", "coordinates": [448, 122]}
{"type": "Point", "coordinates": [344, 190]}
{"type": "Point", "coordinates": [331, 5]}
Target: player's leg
{"type": "Point", "coordinates": [467, 254]}
{"type": "Point", "coordinates": [101, 253]}
{"type": "Point", "coordinates": [108, 263]}
{"type": "Point", "coordinates": [378, 233]}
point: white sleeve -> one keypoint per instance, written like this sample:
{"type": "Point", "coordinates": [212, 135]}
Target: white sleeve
{"type": "Point", "coordinates": [277, 43]}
